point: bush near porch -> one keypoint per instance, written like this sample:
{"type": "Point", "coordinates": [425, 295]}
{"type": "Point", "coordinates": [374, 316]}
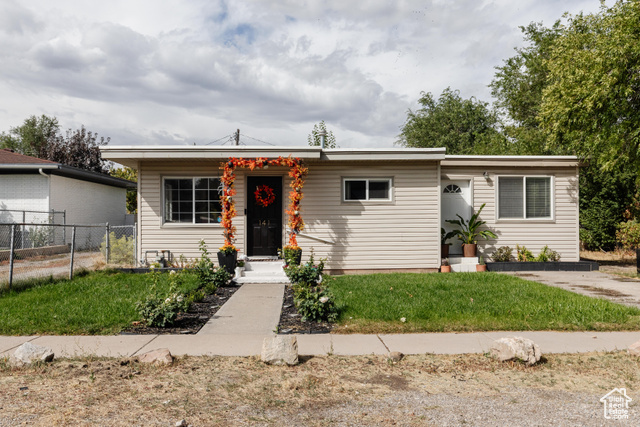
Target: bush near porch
{"type": "Point", "coordinates": [464, 302]}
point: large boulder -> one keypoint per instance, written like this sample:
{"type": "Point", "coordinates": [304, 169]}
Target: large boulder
{"type": "Point", "coordinates": [634, 348]}
{"type": "Point", "coordinates": [280, 350]}
{"type": "Point", "coordinates": [516, 348]}
{"type": "Point", "coordinates": [161, 356]}
{"type": "Point", "coordinates": [29, 353]}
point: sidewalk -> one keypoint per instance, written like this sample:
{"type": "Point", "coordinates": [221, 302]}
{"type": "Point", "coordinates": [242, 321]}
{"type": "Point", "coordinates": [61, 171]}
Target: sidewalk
{"type": "Point", "coordinates": [320, 344]}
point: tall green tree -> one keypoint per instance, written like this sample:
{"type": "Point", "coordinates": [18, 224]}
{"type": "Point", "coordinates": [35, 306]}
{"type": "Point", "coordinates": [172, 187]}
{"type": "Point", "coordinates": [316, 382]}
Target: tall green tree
{"type": "Point", "coordinates": [314, 137]}
{"type": "Point", "coordinates": [518, 85]}
{"type": "Point", "coordinates": [32, 137]}
{"type": "Point", "coordinates": [463, 126]}
{"type": "Point", "coordinates": [132, 194]}
{"type": "Point", "coordinates": [591, 104]}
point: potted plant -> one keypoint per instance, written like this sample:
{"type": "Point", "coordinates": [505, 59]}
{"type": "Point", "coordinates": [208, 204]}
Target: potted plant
{"type": "Point", "coordinates": [227, 258]}
{"type": "Point", "coordinates": [239, 268]}
{"type": "Point", "coordinates": [445, 267]}
{"type": "Point", "coordinates": [444, 246]}
{"type": "Point", "coordinates": [482, 266]}
{"type": "Point", "coordinates": [468, 232]}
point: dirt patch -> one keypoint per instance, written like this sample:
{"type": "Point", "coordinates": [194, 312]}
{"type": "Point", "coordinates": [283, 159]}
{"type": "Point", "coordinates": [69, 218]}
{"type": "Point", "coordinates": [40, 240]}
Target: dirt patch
{"type": "Point", "coordinates": [601, 291]}
{"type": "Point", "coordinates": [189, 323]}
{"type": "Point", "coordinates": [429, 390]}
{"type": "Point", "coordinates": [291, 321]}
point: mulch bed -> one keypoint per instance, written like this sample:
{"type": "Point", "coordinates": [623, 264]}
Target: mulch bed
{"type": "Point", "coordinates": [291, 322]}
{"type": "Point", "coordinates": [189, 323]}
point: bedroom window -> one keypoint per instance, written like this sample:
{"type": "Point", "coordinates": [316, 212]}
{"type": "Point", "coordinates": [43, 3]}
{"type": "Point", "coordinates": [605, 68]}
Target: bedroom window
{"type": "Point", "coordinates": [192, 200]}
{"type": "Point", "coordinates": [367, 189]}
{"type": "Point", "coordinates": [524, 197]}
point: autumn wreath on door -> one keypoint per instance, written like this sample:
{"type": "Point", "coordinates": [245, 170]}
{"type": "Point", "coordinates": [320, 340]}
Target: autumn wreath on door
{"type": "Point", "coordinates": [264, 195]}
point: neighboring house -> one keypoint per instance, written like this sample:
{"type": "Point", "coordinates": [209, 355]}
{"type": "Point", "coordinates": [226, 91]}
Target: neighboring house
{"type": "Point", "coordinates": [31, 184]}
{"type": "Point", "coordinates": [363, 209]}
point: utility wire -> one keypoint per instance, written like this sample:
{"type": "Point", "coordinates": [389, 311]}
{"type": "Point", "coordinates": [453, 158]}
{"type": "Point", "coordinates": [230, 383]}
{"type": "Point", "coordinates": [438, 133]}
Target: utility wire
{"type": "Point", "coordinates": [213, 142]}
{"type": "Point", "coordinates": [256, 139]}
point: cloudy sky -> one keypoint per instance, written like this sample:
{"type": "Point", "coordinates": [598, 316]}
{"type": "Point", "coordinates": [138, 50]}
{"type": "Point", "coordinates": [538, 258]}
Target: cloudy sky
{"type": "Point", "coordinates": [185, 72]}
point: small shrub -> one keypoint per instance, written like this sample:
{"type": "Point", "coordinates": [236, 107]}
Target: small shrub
{"type": "Point", "coordinates": [547, 255]}
{"type": "Point", "coordinates": [524, 254]}
{"type": "Point", "coordinates": [314, 303]}
{"type": "Point", "coordinates": [205, 267]}
{"type": "Point", "coordinates": [628, 234]}
{"type": "Point", "coordinates": [502, 254]}
{"type": "Point", "coordinates": [120, 250]}
{"type": "Point", "coordinates": [309, 272]}
{"type": "Point", "coordinates": [219, 277]}
{"type": "Point", "coordinates": [162, 310]}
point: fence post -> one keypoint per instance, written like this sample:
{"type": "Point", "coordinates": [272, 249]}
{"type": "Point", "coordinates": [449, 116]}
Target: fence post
{"type": "Point", "coordinates": [73, 249]}
{"type": "Point", "coordinates": [64, 229]}
{"type": "Point", "coordinates": [24, 220]}
{"type": "Point", "coordinates": [106, 244]}
{"type": "Point", "coordinates": [135, 244]}
{"type": "Point", "coordinates": [11, 254]}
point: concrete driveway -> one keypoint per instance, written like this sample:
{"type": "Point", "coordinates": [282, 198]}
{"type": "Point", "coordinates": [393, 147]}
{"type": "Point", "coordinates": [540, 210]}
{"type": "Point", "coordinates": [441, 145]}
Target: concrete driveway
{"type": "Point", "coordinates": [623, 290]}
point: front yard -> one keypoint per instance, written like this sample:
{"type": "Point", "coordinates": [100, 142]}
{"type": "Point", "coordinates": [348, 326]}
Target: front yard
{"type": "Point", "coordinates": [400, 303]}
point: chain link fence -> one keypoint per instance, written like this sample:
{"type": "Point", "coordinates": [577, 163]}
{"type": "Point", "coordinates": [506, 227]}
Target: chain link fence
{"type": "Point", "coordinates": [31, 251]}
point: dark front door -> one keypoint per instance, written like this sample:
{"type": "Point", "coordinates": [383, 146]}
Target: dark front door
{"type": "Point", "coordinates": [264, 223]}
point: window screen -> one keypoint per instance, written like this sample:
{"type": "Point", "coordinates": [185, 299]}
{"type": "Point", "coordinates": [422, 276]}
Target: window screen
{"type": "Point", "coordinates": [192, 200]}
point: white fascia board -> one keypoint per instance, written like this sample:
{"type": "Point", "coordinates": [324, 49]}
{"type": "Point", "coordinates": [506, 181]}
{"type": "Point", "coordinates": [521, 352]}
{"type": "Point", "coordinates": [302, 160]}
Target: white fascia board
{"type": "Point", "coordinates": [124, 153]}
{"type": "Point", "coordinates": [542, 161]}
{"type": "Point", "coordinates": [342, 154]}
{"type": "Point", "coordinates": [24, 166]}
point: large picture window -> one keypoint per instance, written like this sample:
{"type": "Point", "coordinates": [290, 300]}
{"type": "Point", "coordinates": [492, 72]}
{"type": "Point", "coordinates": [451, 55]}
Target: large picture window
{"type": "Point", "coordinates": [524, 197]}
{"type": "Point", "coordinates": [367, 189]}
{"type": "Point", "coordinates": [192, 200]}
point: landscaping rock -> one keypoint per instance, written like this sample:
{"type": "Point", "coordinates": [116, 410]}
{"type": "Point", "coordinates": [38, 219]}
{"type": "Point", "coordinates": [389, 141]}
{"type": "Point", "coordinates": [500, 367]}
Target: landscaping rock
{"type": "Point", "coordinates": [161, 356]}
{"type": "Point", "coordinates": [181, 423]}
{"type": "Point", "coordinates": [634, 348]}
{"type": "Point", "coordinates": [395, 356]}
{"type": "Point", "coordinates": [28, 353]}
{"type": "Point", "coordinates": [280, 350]}
{"type": "Point", "coordinates": [516, 348]}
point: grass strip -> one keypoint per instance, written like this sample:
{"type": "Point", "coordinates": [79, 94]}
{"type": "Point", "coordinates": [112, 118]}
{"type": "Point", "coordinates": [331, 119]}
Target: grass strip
{"type": "Point", "coordinates": [469, 302]}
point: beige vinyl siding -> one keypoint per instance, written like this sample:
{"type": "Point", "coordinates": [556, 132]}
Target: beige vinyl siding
{"type": "Point", "coordinates": [180, 239]}
{"type": "Point", "coordinates": [402, 233]}
{"type": "Point", "coordinates": [560, 233]}
{"type": "Point", "coordinates": [367, 235]}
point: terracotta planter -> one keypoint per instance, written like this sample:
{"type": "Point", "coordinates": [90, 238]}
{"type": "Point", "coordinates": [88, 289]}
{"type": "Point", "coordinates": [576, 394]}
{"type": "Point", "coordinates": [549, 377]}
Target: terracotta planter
{"type": "Point", "coordinates": [470, 250]}
{"type": "Point", "coordinates": [445, 269]}
{"type": "Point", "coordinates": [481, 267]}
{"type": "Point", "coordinates": [444, 251]}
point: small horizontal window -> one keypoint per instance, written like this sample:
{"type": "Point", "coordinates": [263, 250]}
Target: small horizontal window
{"type": "Point", "coordinates": [192, 200]}
{"type": "Point", "coordinates": [367, 189]}
{"type": "Point", "coordinates": [524, 197]}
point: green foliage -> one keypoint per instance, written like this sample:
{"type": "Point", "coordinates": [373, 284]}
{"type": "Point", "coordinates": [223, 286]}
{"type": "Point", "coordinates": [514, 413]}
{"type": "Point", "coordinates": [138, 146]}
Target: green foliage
{"type": "Point", "coordinates": [547, 255]}
{"type": "Point", "coordinates": [524, 254]}
{"type": "Point", "coordinates": [32, 137]}
{"type": "Point", "coordinates": [628, 234]}
{"type": "Point", "coordinates": [40, 235]}
{"type": "Point", "coordinates": [603, 200]}
{"type": "Point", "coordinates": [502, 254]}
{"type": "Point", "coordinates": [469, 231]}
{"type": "Point", "coordinates": [463, 126]}
{"type": "Point", "coordinates": [591, 104]}
{"type": "Point", "coordinates": [132, 193]}
{"type": "Point", "coordinates": [314, 136]}
{"type": "Point", "coordinates": [444, 236]}
{"type": "Point", "coordinates": [308, 272]}
{"type": "Point", "coordinates": [204, 267]}
{"type": "Point", "coordinates": [161, 309]}
{"type": "Point", "coordinates": [314, 303]}
{"type": "Point", "coordinates": [291, 255]}
{"type": "Point", "coordinates": [219, 277]}
{"type": "Point", "coordinates": [120, 250]}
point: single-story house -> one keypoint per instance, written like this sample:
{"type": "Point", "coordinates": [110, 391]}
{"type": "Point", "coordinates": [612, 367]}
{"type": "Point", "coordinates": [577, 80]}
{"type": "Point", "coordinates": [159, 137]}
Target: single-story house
{"type": "Point", "coordinates": [363, 209]}
{"type": "Point", "coordinates": [36, 185]}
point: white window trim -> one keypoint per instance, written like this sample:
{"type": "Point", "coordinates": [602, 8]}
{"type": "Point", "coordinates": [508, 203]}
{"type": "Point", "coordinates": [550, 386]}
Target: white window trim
{"type": "Point", "coordinates": [367, 199]}
{"type": "Point", "coordinates": [524, 199]}
{"type": "Point", "coordinates": [193, 222]}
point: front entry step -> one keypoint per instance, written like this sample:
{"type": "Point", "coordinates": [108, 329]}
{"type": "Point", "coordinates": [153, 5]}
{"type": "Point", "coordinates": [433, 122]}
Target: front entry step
{"type": "Point", "coordinates": [463, 264]}
{"type": "Point", "coordinates": [262, 270]}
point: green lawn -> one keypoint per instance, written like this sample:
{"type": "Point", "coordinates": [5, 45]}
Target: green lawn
{"type": "Point", "coordinates": [469, 302]}
{"type": "Point", "coordinates": [98, 303]}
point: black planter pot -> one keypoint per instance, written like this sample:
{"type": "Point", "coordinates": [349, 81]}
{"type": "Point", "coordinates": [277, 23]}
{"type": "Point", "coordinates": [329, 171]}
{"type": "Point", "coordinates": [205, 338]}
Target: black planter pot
{"type": "Point", "coordinates": [293, 256]}
{"type": "Point", "coordinates": [228, 261]}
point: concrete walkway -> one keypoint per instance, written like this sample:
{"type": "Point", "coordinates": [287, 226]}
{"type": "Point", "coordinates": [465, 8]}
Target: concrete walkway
{"type": "Point", "coordinates": [618, 289]}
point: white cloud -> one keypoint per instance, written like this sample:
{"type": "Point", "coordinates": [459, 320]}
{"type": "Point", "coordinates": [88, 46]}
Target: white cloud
{"type": "Point", "coordinates": [147, 72]}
